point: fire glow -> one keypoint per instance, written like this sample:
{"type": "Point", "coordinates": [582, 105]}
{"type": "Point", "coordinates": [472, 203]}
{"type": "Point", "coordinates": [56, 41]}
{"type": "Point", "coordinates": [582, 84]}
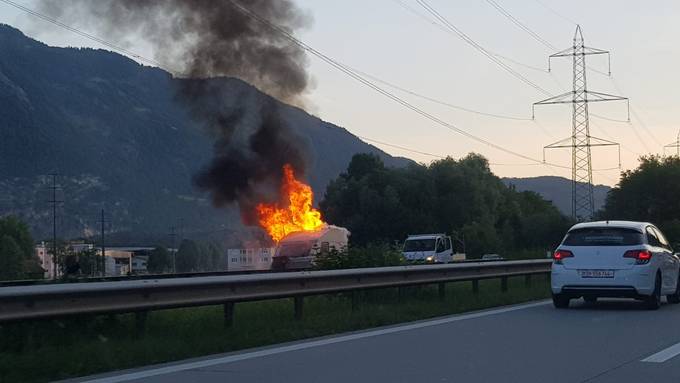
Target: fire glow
{"type": "Point", "coordinates": [298, 215]}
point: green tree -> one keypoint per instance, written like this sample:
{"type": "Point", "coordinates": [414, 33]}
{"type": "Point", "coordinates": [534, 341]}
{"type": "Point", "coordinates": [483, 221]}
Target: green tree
{"type": "Point", "coordinates": [648, 193]}
{"type": "Point", "coordinates": [19, 231]}
{"type": "Point", "coordinates": [159, 261]}
{"type": "Point", "coordinates": [89, 262]}
{"type": "Point", "coordinates": [188, 257]}
{"type": "Point", "coordinates": [28, 263]}
{"type": "Point", "coordinates": [11, 259]}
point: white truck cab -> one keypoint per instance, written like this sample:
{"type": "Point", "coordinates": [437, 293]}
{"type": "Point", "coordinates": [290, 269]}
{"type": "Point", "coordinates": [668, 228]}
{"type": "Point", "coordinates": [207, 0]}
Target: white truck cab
{"type": "Point", "coordinates": [430, 248]}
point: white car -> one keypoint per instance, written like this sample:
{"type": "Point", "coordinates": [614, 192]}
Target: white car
{"type": "Point", "coordinates": [615, 259]}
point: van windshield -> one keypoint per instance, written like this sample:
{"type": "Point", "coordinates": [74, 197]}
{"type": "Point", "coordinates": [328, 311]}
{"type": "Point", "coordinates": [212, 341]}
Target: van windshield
{"type": "Point", "coordinates": [603, 236]}
{"type": "Point", "coordinates": [419, 245]}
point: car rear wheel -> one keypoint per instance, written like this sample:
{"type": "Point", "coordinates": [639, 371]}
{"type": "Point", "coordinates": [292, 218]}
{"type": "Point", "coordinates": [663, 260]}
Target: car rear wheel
{"type": "Point", "coordinates": [653, 302]}
{"type": "Point", "coordinates": [675, 297]}
{"type": "Point", "coordinates": [560, 301]}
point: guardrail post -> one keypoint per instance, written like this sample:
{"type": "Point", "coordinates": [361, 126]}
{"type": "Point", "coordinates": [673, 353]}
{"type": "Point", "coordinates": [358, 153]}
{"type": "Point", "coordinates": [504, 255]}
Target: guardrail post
{"type": "Point", "coordinates": [299, 303]}
{"type": "Point", "coordinates": [441, 287]}
{"type": "Point", "coordinates": [527, 280]}
{"type": "Point", "coordinates": [400, 293]}
{"type": "Point", "coordinates": [228, 314]}
{"type": "Point", "coordinates": [355, 300]}
{"type": "Point", "coordinates": [140, 323]}
{"type": "Point", "coordinates": [475, 286]}
{"type": "Point", "coordinates": [504, 284]}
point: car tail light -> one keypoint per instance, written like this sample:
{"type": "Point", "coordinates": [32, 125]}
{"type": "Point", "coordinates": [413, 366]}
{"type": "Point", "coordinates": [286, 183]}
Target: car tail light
{"type": "Point", "coordinates": [641, 256]}
{"type": "Point", "coordinates": [559, 255]}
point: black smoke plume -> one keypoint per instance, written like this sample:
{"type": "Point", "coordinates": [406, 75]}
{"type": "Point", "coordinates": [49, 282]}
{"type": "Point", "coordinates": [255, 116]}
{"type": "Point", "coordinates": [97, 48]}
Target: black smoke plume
{"type": "Point", "coordinates": [199, 40]}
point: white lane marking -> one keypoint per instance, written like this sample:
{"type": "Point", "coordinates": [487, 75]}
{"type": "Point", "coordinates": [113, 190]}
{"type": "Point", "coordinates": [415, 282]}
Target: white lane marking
{"type": "Point", "coordinates": [305, 345]}
{"type": "Point", "coordinates": [664, 355]}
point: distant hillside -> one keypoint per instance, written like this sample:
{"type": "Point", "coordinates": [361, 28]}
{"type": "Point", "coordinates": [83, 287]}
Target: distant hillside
{"type": "Point", "coordinates": [557, 190]}
{"type": "Point", "coordinates": [114, 132]}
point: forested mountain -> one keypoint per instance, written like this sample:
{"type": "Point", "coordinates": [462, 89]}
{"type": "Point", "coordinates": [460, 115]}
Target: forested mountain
{"type": "Point", "coordinates": [115, 133]}
{"type": "Point", "coordinates": [557, 190]}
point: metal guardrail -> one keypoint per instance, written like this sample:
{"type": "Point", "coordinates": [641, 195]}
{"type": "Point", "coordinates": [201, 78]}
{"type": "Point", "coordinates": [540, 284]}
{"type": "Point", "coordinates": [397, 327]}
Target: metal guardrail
{"type": "Point", "coordinates": [141, 296]}
{"type": "Point", "coordinates": [90, 279]}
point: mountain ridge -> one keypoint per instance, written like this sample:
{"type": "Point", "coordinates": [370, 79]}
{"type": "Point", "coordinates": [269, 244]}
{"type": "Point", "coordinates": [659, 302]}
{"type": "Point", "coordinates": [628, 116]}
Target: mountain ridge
{"type": "Point", "coordinates": [557, 190]}
{"type": "Point", "coordinates": [120, 140]}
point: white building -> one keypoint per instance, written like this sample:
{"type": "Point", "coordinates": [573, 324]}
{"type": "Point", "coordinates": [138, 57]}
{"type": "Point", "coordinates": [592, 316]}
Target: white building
{"type": "Point", "coordinates": [250, 259]}
{"type": "Point", "coordinates": [46, 262]}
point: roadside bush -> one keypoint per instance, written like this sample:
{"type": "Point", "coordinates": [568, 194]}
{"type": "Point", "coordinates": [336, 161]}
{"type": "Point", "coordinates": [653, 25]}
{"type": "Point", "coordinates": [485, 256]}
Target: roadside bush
{"type": "Point", "coordinates": [371, 255]}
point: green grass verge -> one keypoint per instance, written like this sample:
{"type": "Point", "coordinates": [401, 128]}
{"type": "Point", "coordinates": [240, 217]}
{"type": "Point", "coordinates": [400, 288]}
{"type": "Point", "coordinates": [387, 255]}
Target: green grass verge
{"type": "Point", "coordinates": [59, 349]}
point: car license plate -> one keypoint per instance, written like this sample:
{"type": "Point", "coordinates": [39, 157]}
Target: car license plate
{"type": "Point", "coordinates": [596, 273]}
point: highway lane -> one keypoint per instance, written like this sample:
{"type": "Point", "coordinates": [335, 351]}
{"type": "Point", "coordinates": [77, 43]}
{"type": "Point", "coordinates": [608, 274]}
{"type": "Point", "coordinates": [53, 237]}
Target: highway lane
{"type": "Point", "coordinates": [603, 342]}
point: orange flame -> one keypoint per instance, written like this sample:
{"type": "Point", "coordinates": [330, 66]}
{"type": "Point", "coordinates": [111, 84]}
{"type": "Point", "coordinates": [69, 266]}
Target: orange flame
{"type": "Point", "coordinates": [299, 215]}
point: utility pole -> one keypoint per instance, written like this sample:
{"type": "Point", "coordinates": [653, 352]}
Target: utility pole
{"type": "Point", "coordinates": [103, 221]}
{"type": "Point", "coordinates": [172, 236]}
{"type": "Point", "coordinates": [580, 141]}
{"type": "Point", "coordinates": [675, 145]}
{"type": "Point", "coordinates": [54, 203]}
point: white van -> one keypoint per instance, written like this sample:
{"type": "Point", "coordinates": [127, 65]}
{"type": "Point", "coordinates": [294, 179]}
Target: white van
{"type": "Point", "coordinates": [430, 248]}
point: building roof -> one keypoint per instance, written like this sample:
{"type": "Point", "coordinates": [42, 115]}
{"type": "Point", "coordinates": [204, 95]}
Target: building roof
{"type": "Point", "coordinates": [639, 226]}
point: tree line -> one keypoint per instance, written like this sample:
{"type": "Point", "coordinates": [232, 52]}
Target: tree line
{"type": "Point", "coordinates": [382, 205]}
{"type": "Point", "coordinates": [461, 197]}
{"type": "Point", "coordinates": [648, 193]}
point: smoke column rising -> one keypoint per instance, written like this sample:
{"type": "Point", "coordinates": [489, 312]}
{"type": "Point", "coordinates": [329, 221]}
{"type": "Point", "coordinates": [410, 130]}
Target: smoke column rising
{"type": "Point", "coordinates": [203, 39]}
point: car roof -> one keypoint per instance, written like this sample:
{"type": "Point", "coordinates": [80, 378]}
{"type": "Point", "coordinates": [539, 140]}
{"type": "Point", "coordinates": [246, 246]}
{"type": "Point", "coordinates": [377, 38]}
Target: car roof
{"type": "Point", "coordinates": [639, 226]}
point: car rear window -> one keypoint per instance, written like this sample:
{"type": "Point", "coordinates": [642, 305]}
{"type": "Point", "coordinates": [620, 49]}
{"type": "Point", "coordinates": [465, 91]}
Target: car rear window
{"type": "Point", "coordinates": [603, 236]}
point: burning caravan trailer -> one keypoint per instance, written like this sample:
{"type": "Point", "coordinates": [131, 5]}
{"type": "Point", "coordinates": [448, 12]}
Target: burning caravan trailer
{"type": "Point", "coordinates": [297, 250]}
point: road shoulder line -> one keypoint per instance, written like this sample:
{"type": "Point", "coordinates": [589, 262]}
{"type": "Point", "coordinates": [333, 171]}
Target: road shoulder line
{"type": "Point", "coordinates": [302, 345]}
{"type": "Point", "coordinates": [663, 355]}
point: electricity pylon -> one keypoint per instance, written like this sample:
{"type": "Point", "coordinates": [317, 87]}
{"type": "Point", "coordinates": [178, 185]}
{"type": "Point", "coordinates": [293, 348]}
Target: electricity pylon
{"type": "Point", "coordinates": [675, 145]}
{"type": "Point", "coordinates": [580, 141]}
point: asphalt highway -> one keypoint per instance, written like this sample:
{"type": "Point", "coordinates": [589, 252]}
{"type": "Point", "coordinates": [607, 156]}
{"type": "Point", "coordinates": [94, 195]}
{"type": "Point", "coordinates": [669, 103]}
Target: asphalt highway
{"type": "Point", "coordinates": [610, 341]}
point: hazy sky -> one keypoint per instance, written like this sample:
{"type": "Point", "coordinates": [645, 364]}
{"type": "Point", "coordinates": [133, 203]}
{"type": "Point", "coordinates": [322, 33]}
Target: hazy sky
{"type": "Point", "coordinates": [386, 40]}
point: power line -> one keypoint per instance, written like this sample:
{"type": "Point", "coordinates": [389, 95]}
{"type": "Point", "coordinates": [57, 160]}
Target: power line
{"type": "Point", "coordinates": [436, 101]}
{"type": "Point", "coordinates": [548, 44]}
{"type": "Point", "coordinates": [309, 49]}
{"type": "Point", "coordinates": [103, 221]}
{"type": "Point", "coordinates": [478, 47]}
{"type": "Point", "coordinates": [401, 147]}
{"type": "Point", "coordinates": [364, 81]}
{"type": "Point", "coordinates": [637, 116]}
{"type": "Point", "coordinates": [522, 26]}
{"type": "Point", "coordinates": [54, 202]}
{"type": "Point", "coordinates": [83, 34]}
{"type": "Point", "coordinates": [172, 236]}
{"type": "Point", "coordinates": [558, 14]}
{"type": "Point", "coordinates": [345, 69]}
{"type": "Point", "coordinates": [429, 20]}
{"type": "Point", "coordinates": [161, 65]}
{"type": "Point", "coordinates": [632, 108]}
{"type": "Point", "coordinates": [440, 156]}
{"type": "Point", "coordinates": [533, 34]}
